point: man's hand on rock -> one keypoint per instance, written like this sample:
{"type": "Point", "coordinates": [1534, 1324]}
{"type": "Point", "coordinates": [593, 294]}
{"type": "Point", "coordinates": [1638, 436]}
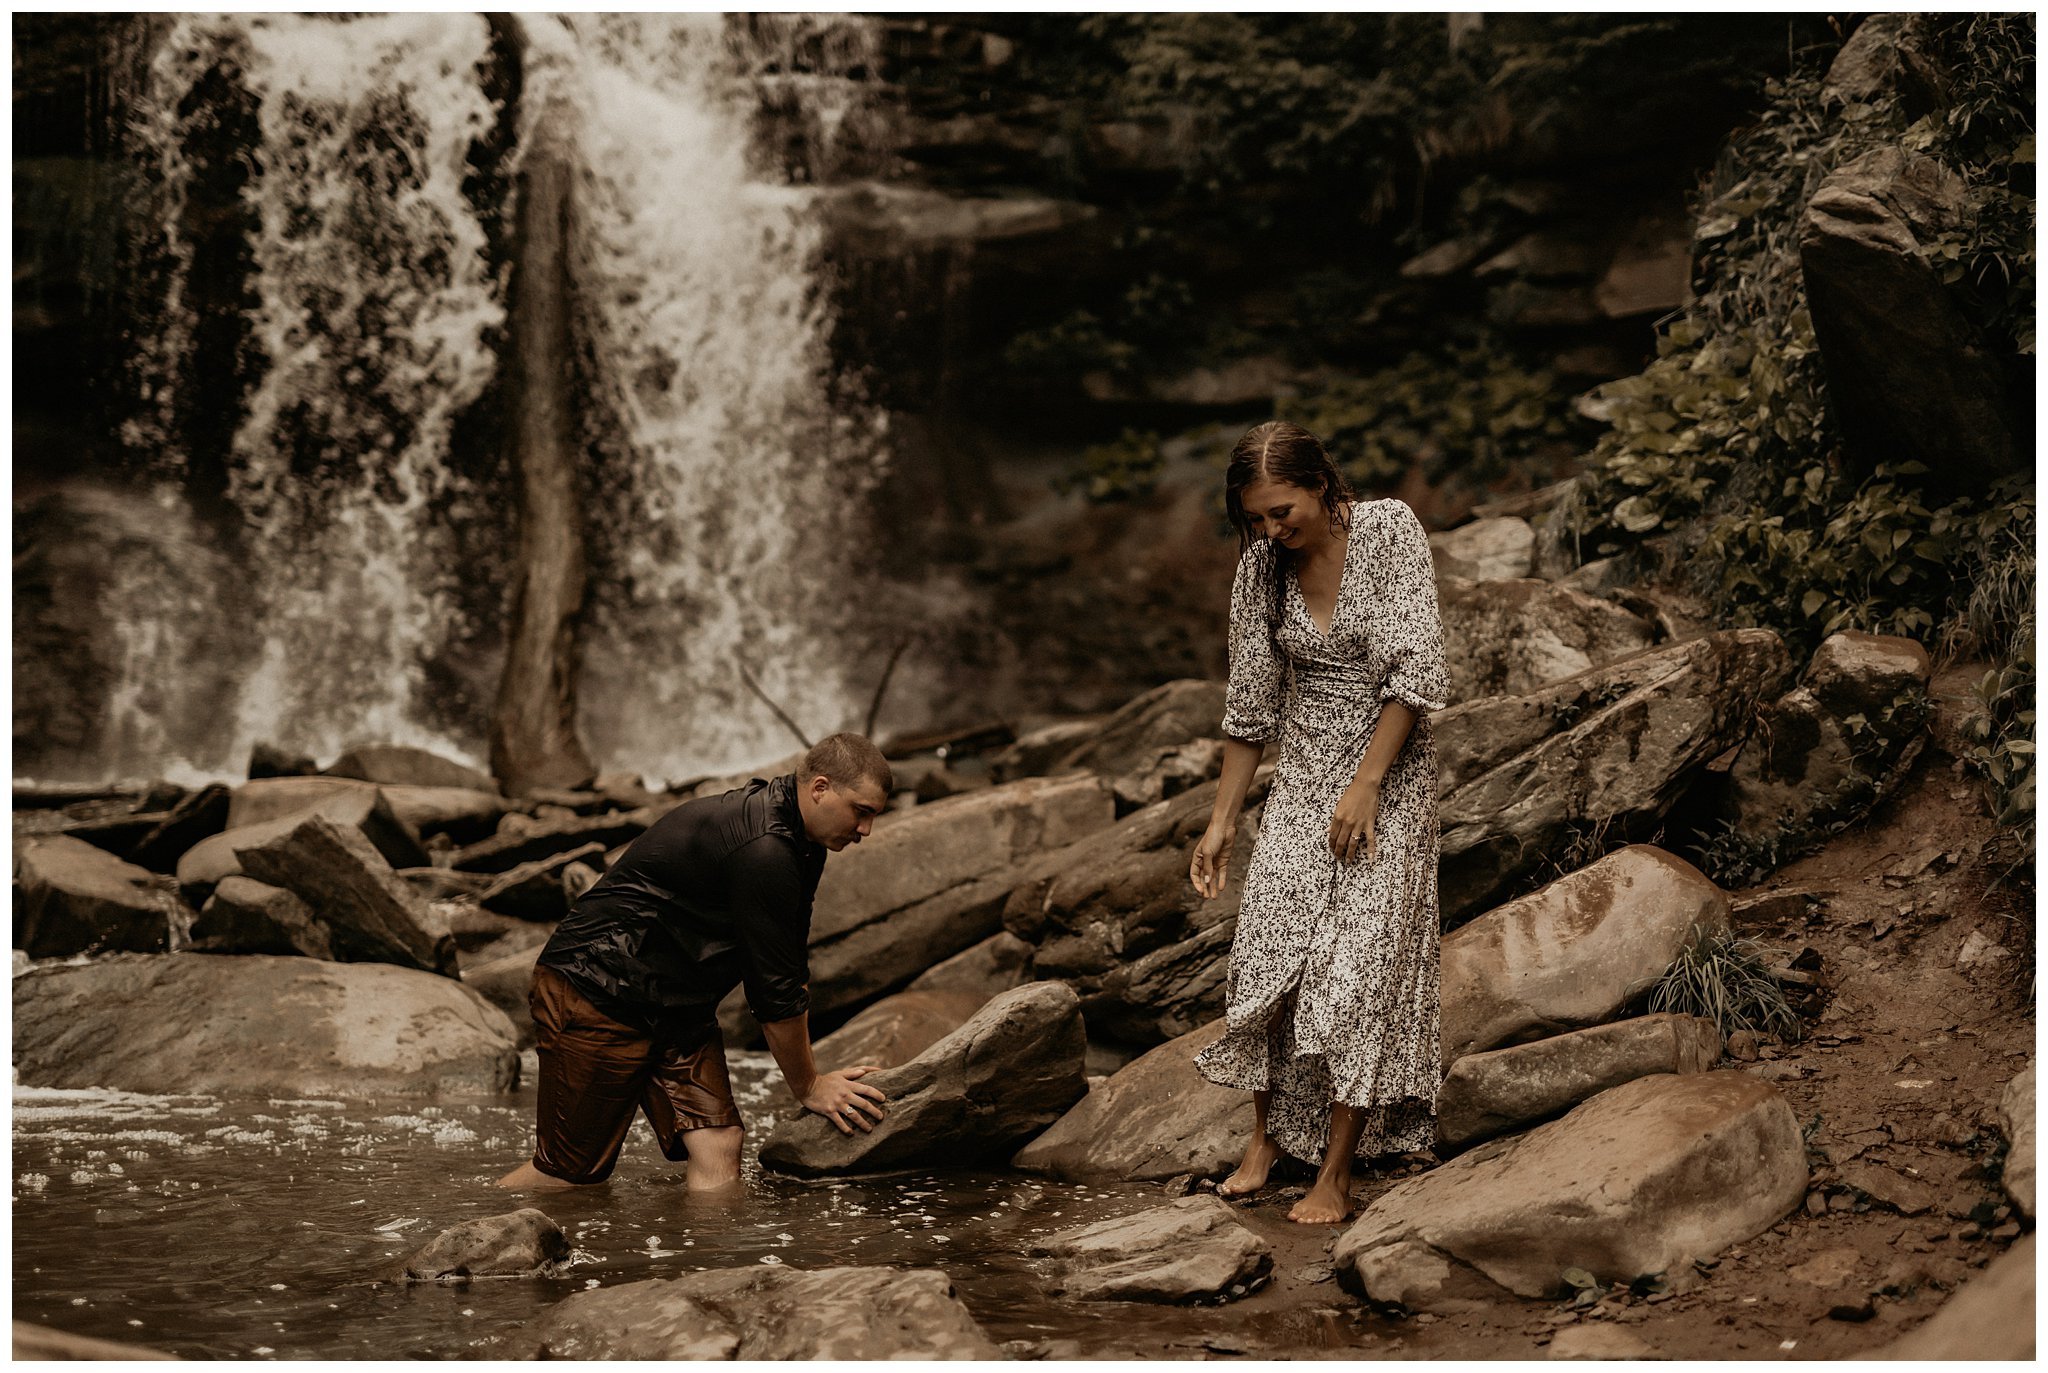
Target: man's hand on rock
{"type": "Point", "coordinates": [847, 1103]}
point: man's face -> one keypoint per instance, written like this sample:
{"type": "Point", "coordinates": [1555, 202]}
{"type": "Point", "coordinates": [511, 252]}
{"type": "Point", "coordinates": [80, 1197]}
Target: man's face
{"type": "Point", "coordinates": [843, 815]}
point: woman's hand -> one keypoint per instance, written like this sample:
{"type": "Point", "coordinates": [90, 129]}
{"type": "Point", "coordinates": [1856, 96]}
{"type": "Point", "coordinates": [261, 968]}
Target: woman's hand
{"type": "Point", "coordinates": [1351, 828]}
{"type": "Point", "coordinates": [1212, 859]}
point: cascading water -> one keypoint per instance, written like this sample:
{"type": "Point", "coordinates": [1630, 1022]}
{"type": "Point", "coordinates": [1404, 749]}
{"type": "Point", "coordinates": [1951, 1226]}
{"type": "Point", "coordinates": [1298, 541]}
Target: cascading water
{"type": "Point", "coordinates": [723, 472]}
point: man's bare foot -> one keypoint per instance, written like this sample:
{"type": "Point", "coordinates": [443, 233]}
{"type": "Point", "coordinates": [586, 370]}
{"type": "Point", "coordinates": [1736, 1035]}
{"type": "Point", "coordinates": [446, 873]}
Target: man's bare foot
{"type": "Point", "coordinates": [527, 1178]}
{"type": "Point", "coordinates": [1259, 1157]}
{"type": "Point", "coordinates": [1325, 1204]}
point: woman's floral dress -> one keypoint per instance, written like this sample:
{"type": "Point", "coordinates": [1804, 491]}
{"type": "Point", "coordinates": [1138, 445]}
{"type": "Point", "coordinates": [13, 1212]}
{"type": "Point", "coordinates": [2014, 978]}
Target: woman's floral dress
{"type": "Point", "coordinates": [1333, 970]}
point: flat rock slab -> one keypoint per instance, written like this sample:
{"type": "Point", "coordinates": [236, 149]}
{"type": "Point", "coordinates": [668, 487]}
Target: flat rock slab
{"type": "Point", "coordinates": [407, 766]}
{"type": "Point", "coordinates": [1574, 953]}
{"type": "Point", "coordinates": [520, 1243]}
{"type": "Point", "coordinates": [762, 1312]}
{"type": "Point", "coordinates": [1155, 1118]}
{"type": "Point", "coordinates": [985, 1088]}
{"type": "Point", "coordinates": [1186, 1250]}
{"type": "Point", "coordinates": [1491, 1093]}
{"type": "Point", "coordinates": [1642, 1178]}
{"type": "Point", "coordinates": [504, 852]}
{"type": "Point", "coordinates": [254, 1025]}
{"type": "Point", "coordinates": [77, 897]}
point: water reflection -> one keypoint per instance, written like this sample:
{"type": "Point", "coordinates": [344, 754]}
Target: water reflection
{"type": "Point", "coordinates": [236, 1229]}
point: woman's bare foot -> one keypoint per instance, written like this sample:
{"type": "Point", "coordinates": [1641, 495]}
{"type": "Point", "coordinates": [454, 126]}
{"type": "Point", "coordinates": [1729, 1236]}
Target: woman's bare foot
{"type": "Point", "coordinates": [1259, 1157]}
{"type": "Point", "coordinates": [1326, 1204]}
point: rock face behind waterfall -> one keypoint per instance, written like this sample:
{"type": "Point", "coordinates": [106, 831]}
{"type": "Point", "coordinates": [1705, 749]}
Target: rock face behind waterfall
{"type": "Point", "coordinates": [997, 1080]}
{"type": "Point", "coordinates": [254, 1025]}
{"type": "Point", "coordinates": [764, 1313]}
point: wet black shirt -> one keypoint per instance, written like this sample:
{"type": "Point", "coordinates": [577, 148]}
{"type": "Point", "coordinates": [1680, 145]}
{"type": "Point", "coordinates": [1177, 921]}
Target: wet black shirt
{"type": "Point", "coordinates": [717, 893]}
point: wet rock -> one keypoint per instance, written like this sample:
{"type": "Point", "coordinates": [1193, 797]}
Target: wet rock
{"type": "Point", "coordinates": [1155, 1118]}
{"type": "Point", "coordinates": [1488, 1094]}
{"type": "Point", "coordinates": [1169, 772]}
{"type": "Point", "coordinates": [40, 1342]}
{"type": "Point", "coordinates": [1116, 918]}
{"type": "Point", "coordinates": [1600, 1342]}
{"type": "Point", "coordinates": [505, 851]}
{"type": "Point", "coordinates": [535, 891]}
{"type": "Point", "coordinates": [369, 910]}
{"type": "Point", "coordinates": [1616, 746]}
{"type": "Point", "coordinates": [1002, 1077]}
{"type": "Point", "coordinates": [203, 813]}
{"type": "Point", "coordinates": [187, 1023]}
{"type": "Point", "coordinates": [1186, 1250]}
{"type": "Point", "coordinates": [993, 966]}
{"type": "Point", "coordinates": [896, 1029]}
{"type": "Point", "coordinates": [1909, 374]}
{"type": "Point", "coordinates": [364, 809]}
{"type": "Point", "coordinates": [1176, 713]}
{"type": "Point", "coordinates": [77, 898]}
{"type": "Point", "coordinates": [505, 981]}
{"type": "Point", "coordinates": [462, 814]}
{"type": "Point", "coordinates": [1574, 953]}
{"type": "Point", "coordinates": [1818, 749]}
{"type": "Point", "coordinates": [2016, 1122]}
{"type": "Point", "coordinates": [1486, 550]}
{"type": "Point", "coordinates": [1509, 638]}
{"type": "Point", "coordinates": [247, 916]}
{"type": "Point", "coordinates": [403, 766]}
{"type": "Point", "coordinates": [1640, 1179]}
{"type": "Point", "coordinates": [1037, 752]}
{"type": "Point", "coordinates": [931, 882]}
{"type": "Point", "coordinates": [1991, 1317]}
{"type": "Point", "coordinates": [764, 1312]}
{"type": "Point", "coordinates": [518, 1244]}
{"type": "Point", "coordinates": [268, 760]}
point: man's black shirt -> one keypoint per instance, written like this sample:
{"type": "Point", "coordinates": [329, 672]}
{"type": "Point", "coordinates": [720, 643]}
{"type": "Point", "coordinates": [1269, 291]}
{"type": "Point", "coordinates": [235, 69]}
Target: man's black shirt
{"type": "Point", "coordinates": [715, 894]}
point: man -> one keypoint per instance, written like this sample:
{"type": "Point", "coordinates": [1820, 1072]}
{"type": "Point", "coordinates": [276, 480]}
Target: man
{"type": "Point", "coordinates": [716, 894]}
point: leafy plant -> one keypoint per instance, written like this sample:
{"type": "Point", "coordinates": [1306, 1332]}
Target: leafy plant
{"type": "Point", "coordinates": [1725, 978]}
{"type": "Point", "coordinates": [1127, 466]}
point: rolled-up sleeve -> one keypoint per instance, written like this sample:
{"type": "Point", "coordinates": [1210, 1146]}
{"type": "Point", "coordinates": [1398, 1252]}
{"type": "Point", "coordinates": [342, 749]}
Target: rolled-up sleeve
{"type": "Point", "coordinates": [1258, 677]}
{"type": "Point", "coordinates": [1406, 626]}
{"type": "Point", "coordinates": [772, 918]}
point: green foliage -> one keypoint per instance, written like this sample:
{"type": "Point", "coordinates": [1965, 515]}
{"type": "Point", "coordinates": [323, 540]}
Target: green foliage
{"type": "Point", "coordinates": [1129, 466]}
{"type": "Point", "coordinates": [1725, 978]}
{"type": "Point", "coordinates": [1725, 449]}
{"type": "Point", "coordinates": [1472, 410]}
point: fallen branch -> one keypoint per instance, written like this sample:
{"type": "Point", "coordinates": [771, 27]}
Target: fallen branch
{"type": "Point", "coordinates": [769, 701]}
{"type": "Point", "coordinates": [875, 706]}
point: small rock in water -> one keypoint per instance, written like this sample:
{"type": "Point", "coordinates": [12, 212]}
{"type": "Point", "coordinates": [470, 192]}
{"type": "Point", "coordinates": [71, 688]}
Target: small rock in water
{"type": "Point", "coordinates": [519, 1243]}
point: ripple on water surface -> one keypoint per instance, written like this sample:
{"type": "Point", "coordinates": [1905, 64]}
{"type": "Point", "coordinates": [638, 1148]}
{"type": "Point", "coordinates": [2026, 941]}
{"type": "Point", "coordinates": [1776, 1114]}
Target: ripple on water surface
{"type": "Point", "coordinates": [232, 1229]}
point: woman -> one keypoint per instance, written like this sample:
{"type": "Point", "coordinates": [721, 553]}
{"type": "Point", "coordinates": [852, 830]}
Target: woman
{"type": "Point", "coordinates": [1336, 648]}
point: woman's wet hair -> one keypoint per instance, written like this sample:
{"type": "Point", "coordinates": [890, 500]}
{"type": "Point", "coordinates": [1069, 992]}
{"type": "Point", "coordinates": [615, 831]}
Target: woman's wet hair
{"type": "Point", "coordinates": [1287, 453]}
{"type": "Point", "coordinates": [847, 760]}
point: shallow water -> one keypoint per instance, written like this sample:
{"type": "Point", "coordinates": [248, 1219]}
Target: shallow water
{"type": "Point", "coordinates": [236, 1229]}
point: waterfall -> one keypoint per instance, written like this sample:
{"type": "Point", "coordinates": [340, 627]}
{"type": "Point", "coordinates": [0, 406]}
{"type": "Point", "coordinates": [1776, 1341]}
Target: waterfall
{"type": "Point", "coordinates": [725, 460]}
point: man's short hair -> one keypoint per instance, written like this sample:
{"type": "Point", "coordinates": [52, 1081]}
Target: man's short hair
{"type": "Point", "coordinates": [847, 760]}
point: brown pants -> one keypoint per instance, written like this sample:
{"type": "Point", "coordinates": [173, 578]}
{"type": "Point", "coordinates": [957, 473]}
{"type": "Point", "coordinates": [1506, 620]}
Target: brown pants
{"type": "Point", "coordinates": [595, 1072]}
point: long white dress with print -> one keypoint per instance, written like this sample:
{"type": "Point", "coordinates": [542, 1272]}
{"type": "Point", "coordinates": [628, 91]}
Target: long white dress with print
{"type": "Point", "coordinates": [1334, 967]}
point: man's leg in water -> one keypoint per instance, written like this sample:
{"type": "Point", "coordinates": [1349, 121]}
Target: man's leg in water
{"type": "Point", "coordinates": [593, 1073]}
{"type": "Point", "coordinates": [714, 1157]}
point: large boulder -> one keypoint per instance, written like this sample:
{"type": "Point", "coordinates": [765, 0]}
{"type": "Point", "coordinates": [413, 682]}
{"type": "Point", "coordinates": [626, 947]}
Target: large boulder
{"type": "Point", "coordinates": [1507, 638]}
{"type": "Point", "coordinates": [1991, 1317]}
{"type": "Point", "coordinates": [931, 882]}
{"type": "Point", "coordinates": [517, 1244]}
{"type": "Point", "coordinates": [1821, 750]}
{"type": "Point", "coordinates": [370, 912]}
{"type": "Point", "coordinates": [1487, 550]}
{"type": "Point", "coordinates": [1116, 918]}
{"type": "Point", "coordinates": [896, 1029]}
{"type": "Point", "coordinates": [401, 765]}
{"type": "Point", "coordinates": [1186, 1250]}
{"type": "Point", "coordinates": [1492, 1093]}
{"type": "Point", "coordinates": [506, 980]}
{"type": "Point", "coordinates": [247, 916]}
{"type": "Point", "coordinates": [993, 966]}
{"type": "Point", "coordinates": [2016, 1120]}
{"type": "Point", "coordinates": [1575, 953]}
{"type": "Point", "coordinates": [1000, 1078]}
{"type": "Point", "coordinates": [1641, 1179]}
{"type": "Point", "coordinates": [764, 1312]}
{"type": "Point", "coordinates": [256, 1025]}
{"type": "Point", "coordinates": [464, 814]}
{"type": "Point", "coordinates": [1614, 747]}
{"type": "Point", "coordinates": [1155, 1118]}
{"type": "Point", "coordinates": [78, 898]}
{"type": "Point", "coordinates": [203, 813]}
{"type": "Point", "coordinates": [1887, 55]}
{"type": "Point", "coordinates": [1910, 376]}
{"type": "Point", "coordinates": [1038, 751]}
{"type": "Point", "coordinates": [1166, 716]}
{"type": "Point", "coordinates": [207, 862]}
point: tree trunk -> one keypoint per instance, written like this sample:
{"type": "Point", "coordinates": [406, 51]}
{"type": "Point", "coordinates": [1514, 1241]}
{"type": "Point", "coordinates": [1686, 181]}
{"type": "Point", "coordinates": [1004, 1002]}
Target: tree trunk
{"type": "Point", "coordinates": [533, 725]}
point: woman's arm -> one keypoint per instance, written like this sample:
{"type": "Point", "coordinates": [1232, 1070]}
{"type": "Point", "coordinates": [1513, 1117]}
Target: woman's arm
{"type": "Point", "coordinates": [1358, 808]}
{"type": "Point", "coordinates": [1211, 861]}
